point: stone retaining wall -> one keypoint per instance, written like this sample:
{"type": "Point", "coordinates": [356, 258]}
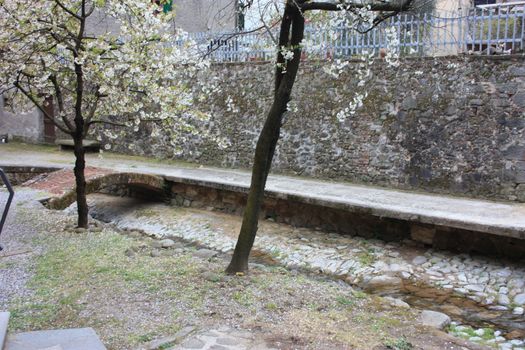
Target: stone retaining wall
{"type": "Point", "coordinates": [354, 223]}
{"type": "Point", "coordinates": [17, 175]}
{"type": "Point", "coordinates": [448, 125]}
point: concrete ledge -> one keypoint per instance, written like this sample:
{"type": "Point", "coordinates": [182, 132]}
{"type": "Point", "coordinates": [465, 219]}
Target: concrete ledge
{"type": "Point", "coordinates": [498, 218]}
{"type": "Point", "coordinates": [4, 321]}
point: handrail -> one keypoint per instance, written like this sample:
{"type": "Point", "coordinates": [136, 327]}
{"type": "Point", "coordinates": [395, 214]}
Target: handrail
{"type": "Point", "coordinates": [9, 200]}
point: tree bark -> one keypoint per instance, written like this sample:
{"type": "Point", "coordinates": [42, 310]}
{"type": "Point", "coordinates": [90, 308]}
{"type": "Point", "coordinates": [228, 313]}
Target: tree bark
{"type": "Point", "coordinates": [80, 180]}
{"type": "Point", "coordinates": [80, 129]}
{"type": "Point", "coordinates": [285, 76]}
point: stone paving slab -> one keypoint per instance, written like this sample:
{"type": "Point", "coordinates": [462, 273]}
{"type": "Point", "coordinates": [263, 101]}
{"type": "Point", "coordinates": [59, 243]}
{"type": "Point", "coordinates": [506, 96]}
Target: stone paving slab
{"type": "Point", "coordinates": [4, 320]}
{"type": "Point", "coordinates": [62, 339]}
{"type": "Point", "coordinates": [500, 218]}
{"type": "Point", "coordinates": [223, 339]}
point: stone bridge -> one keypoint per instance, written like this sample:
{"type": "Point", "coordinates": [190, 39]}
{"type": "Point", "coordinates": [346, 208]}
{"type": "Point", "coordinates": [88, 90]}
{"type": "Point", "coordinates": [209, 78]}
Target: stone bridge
{"type": "Point", "coordinates": [61, 184]}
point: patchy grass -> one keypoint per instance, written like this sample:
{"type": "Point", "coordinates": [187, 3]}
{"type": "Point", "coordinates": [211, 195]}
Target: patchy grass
{"type": "Point", "coordinates": [88, 280]}
{"type": "Point", "coordinates": [467, 332]}
{"type": "Point", "coordinates": [366, 257]}
{"type": "Point", "coordinates": [400, 343]}
{"type": "Point", "coordinates": [146, 213]}
{"type": "Point", "coordinates": [344, 301]}
{"type": "Point", "coordinates": [16, 146]}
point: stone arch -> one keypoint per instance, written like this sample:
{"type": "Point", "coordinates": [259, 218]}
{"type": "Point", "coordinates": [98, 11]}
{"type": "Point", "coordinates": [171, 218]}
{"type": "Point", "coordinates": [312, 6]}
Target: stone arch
{"type": "Point", "coordinates": [146, 181]}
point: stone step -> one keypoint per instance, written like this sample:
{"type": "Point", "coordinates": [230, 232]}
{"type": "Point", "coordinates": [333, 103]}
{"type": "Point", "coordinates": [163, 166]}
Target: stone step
{"type": "Point", "coordinates": [60, 339]}
{"type": "Point", "coordinates": [4, 320]}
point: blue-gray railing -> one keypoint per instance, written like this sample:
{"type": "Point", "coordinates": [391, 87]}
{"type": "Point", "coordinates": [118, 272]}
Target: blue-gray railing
{"type": "Point", "coordinates": [9, 200]}
{"type": "Point", "coordinates": [483, 30]}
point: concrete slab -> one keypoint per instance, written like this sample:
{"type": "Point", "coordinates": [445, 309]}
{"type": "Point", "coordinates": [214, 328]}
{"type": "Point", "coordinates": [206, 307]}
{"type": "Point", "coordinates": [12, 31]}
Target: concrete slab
{"type": "Point", "coordinates": [499, 218]}
{"type": "Point", "coordinates": [62, 339]}
{"type": "Point", "coordinates": [4, 321]}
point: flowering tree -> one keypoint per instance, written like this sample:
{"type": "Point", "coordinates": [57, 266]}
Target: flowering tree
{"type": "Point", "coordinates": [361, 15]}
{"type": "Point", "coordinates": [55, 49]}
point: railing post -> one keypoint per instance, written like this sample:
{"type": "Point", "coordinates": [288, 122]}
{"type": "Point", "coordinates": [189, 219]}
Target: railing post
{"type": "Point", "coordinates": [9, 200]}
{"type": "Point", "coordinates": [489, 31]}
{"type": "Point", "coordinates": [522, 36]}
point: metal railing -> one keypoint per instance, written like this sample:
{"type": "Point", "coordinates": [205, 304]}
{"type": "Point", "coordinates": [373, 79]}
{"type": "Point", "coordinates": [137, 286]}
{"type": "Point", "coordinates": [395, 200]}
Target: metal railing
{"type": "Point", "coordinates": [9, 200]}
{"type": "Point", "coordinates": [497, 29]}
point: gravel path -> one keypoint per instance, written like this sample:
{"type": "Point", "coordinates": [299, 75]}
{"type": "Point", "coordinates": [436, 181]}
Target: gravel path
{"type": "Point", "coordinates": [16, 258]}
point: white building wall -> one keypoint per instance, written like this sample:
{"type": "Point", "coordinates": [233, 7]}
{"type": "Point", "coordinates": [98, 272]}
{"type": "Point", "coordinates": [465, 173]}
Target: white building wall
{"type": "Point", "coordinates": [25, 126]}
{"type": "Point", "coordinates": [450, 30]}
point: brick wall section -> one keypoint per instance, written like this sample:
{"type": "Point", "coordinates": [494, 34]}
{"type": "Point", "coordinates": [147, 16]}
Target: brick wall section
{"type": "Point", "coordinates": [62, 181]}
{"type": "Point", "coordinates": [452, 125]}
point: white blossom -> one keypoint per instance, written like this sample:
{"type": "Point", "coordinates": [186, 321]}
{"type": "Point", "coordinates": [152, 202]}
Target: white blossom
{"type": "Point", "coordinates": [136, 75]}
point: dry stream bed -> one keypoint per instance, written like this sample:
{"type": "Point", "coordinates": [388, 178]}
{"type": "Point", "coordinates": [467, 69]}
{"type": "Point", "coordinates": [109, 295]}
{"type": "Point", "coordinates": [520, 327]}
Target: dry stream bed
{"type": "Point", "coordinates": [146, 270]}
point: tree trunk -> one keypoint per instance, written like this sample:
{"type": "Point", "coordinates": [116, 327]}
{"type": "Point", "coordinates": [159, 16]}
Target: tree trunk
{"type": "Point", "coordinates": [81, 129]}
{"type": "Point", "coordinates": [80, 180]}
{"type": "Point", "coordinates": [269, 136]}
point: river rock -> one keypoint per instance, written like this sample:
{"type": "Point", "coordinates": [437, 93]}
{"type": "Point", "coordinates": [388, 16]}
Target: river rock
{"type": "Point", "coordinates": [475, 287]}
{"type": "Point", "coordinates": [516, 334]}
{"type": "Point", "coordinates": [383, 282]}
{"type": "Point", "coordinates": [519, 299]}
{"type": "Point", "coordinates": [396, 302]}
{"type": "Point", "coordinates": [434, 319]}
{"type": "Point", "coordinates": [503, 299]}
{"type": "Point", "coordinates": [211, 276]}
{"type": "Point", "coordinates": [205, 253]}
{"type": "Point", "coordinates": [167, 243]}
{"type": "Point", "coordinates": [419, 260]}
{"type": "Point", "coordinates": [516, 283]}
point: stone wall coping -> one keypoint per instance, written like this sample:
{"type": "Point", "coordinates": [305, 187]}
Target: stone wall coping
{"type": "Point", "coordinates": [499, 218]}
{"type": "Point", "coordinates": [307, 62]}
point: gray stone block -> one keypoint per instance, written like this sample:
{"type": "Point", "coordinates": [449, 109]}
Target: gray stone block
{"type": "Point", "coordinates": [517, 71]}
{"type": "Point", "coordinates": [64, 339]}
{"type": "Point", "coordinates": [515, 152]}
{"type": "Point", "coordinates": [519, 99]}
{"type": "Point", "coordinates": [4, 320]}
{"type": "Point", "coordinates": [434, 319]}
{"type": "Point", "coordinates": [422, 234]}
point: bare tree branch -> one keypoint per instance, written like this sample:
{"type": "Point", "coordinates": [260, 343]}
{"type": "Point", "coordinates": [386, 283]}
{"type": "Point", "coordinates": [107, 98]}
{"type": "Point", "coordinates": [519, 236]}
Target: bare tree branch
{"type": "Point", "coordinates": [402, 5]}
{"type": "Point", "coordinates": [106, 122]}
{"type": "Point", "coordinates": [63, 7]}
{"type": "Point", "coordinates": [60, 100]}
